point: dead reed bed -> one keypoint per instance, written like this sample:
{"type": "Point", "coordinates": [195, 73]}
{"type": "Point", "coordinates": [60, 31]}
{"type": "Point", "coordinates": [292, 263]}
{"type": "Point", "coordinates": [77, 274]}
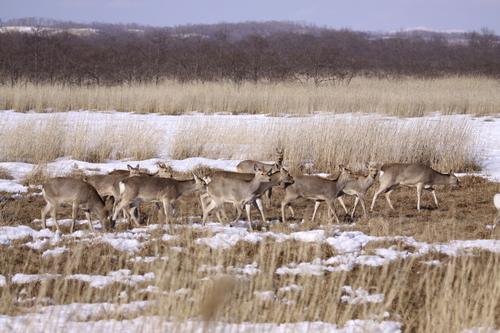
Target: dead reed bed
{"type": "Point", "coordinates": [320, 144]}
{"type": "Point", "coordinates": [42, 140]}
{"type": "Point", "coordinates": [404, 98]}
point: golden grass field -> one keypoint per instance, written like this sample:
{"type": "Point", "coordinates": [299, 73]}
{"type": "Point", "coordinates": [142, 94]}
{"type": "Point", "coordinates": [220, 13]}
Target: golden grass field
{"type": "Point", "coordinates": [404, 98]}
{"type": "Point", "coordinates": [425, 291]}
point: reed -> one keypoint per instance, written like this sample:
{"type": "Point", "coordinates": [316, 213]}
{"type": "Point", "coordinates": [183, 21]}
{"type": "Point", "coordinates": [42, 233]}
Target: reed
{"type": "Point", "coordinates": [405, 98]}
{"type": "Point", "coordinates": [320, 144]}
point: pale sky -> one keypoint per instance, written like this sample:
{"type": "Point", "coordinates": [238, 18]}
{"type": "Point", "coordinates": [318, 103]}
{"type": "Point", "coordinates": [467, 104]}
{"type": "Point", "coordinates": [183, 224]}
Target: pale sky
{"type": "Point", "coordinates": [366, 15]}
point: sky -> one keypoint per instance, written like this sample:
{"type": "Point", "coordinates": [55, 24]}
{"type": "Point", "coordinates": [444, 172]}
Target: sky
{"type": "Point", "coordinates": [360, 15]}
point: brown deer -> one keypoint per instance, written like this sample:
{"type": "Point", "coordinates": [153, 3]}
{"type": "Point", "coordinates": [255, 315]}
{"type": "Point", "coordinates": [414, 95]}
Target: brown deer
{"type": "Point", "coordinates": [281, 176]}
{"type": "Point", "coordinates": [134, 190]}
{"type": "Point", "coordinates": [80, 194]}
{"type": "Point", "coordinates": [359, 188]}
{"type": "Point", "coordinates": [237, 191]}
{"type": "Point", "coordinates": [317, 188]}
{"type": "Point", "coordinates": [420, 176]}
{"type": "Point", "coordinates": [247, 166]}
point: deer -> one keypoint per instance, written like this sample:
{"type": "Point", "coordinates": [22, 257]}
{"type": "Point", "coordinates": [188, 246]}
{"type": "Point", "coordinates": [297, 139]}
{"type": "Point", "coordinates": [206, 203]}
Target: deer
{"type": "Point", "coordinates": [134, 190]}
{"type": "Point", "coordinates": [247, 166]}
{"type": "Point", "coordinates": [413, 175]}
{"type": "Point", "coordinates": [80, 194]}
{"type": "Point", "coordinates": [317, 188]}
{"type": "Point", "coordinates": [496, 202]}
{"type": "Point", "coordinates": [281, 176]}
{"type": "Point", "coordinates": [130, 169]}
{"type": "Point", "coordinates": [239, 192]}
{"type": "Point", "coordinates": [104, 184]}
{"type": "Point", "coordinates": [359, 188]}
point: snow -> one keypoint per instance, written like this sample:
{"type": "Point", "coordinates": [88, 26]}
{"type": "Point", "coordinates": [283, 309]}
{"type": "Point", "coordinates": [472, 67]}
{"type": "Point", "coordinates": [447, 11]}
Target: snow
{"type": "Point", "coordinates": [348, 245]}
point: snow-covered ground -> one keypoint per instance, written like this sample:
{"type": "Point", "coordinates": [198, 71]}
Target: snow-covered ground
{"type": "Point", "coordinates": [348, 244]}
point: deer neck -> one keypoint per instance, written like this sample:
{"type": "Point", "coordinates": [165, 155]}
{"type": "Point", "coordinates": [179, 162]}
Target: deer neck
{"type": "Point", "coordinates": [187, 186]}
{"type": "Point", "coordinates": [442, 179]}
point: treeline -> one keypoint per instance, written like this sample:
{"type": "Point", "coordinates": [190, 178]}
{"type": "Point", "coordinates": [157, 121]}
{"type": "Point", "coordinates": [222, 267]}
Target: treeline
{"type": "Point", "coordinates": [293, 53]}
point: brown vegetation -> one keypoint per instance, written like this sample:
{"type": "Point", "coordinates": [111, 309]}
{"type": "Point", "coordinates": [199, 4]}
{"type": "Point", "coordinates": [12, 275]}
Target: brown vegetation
{"type": "Point", "coordinates": [458, 293]}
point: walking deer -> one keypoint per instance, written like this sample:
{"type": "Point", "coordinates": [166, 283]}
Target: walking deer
{"type": "Point", "coordinates": [247, 166]}
{"type": "Point", "coordinates": [239, 192]}
{"type": "Point", "coordinates": [496, 202]}
{"type": "Point", "coordinates": [281, 176]}
{"type": "Point", "coordinates": [420, 176]}
{"type": "Point", "coordinates": [134, 190]}
{"type": "Point", "coordinates": [105, 184]}
{"type": "Point", "coordinates": [318, 189]}
{"type": "Point", "coordinates": [80, 194]}
{"type": "Point", "coordinates": [359, 188]}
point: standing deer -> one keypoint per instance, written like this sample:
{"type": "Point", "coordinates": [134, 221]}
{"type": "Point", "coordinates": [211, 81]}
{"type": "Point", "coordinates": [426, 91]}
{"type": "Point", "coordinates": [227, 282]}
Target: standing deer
{"type": "Point", "coordinates": [80, 194]}
{"type": "Point", "coordinates": [420, 176]}
{"type": "Point", "coordinates": [281, 176]}
{"type": "Point", "coordinates": [359, 188]}
{"type": "Point", "coordinates": [247, 166]}
{"type": "Point", "coordinates": [237, 191]}
{"type": "Point", "coordinates": [134, 190]}
{"type": "Point", "coordinates": [105, 184]}
{"type": "Point", "coordinates": [496, 202]}
{"type": "Point", "coordinates": [318, 189]}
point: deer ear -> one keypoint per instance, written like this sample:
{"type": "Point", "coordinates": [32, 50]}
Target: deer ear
{"type": "Point", "coordinates": [255, 167]}
{"type": "Point", "coordinates": [451, 173]}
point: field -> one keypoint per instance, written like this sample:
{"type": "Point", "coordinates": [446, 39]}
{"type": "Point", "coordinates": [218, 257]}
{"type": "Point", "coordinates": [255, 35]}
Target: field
{"type": "Point", "coordinates": [435, 270]}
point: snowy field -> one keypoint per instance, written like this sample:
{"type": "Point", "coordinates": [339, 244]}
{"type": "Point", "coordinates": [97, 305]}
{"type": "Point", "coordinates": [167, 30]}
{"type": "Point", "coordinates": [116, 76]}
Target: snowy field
{"type": "Point", "coordinates": [347, 244]}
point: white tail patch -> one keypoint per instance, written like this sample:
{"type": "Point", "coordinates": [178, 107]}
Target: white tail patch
{"type": "Point", "coordinates": [122, 187]}
{"type": "Point", "coordinates": [496, 200]}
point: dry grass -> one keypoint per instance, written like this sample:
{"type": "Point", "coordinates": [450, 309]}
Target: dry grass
{"type": "Point", "coordinates": [405, 98]}
{"type": "Point", "coordinates": [320, 144]}
{"type": "Point", "coordinates": [55, 136]}
{"type": "Point", "coordinates": [460, 293]}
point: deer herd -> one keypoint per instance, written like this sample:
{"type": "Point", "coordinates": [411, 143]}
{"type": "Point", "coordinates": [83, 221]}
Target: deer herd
{"type": "Point", "coordinates": [107, 195]}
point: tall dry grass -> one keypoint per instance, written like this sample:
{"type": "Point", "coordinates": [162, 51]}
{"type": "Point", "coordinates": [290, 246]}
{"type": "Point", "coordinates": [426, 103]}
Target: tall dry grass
{"type": "Point", "coordinates": [44, 140]}
{"type": "Point", "coordinates": [405, 98]}
{"type": "Point", "coordinates": [201, 284]}
{"type": "Point", "coordinates": [319, 144]}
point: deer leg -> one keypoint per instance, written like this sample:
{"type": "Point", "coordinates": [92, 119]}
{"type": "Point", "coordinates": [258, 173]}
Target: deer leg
{"type": "Point", "coordinates": [207, 209]}
{"type": "Point", "coordinates": [343, 204]}
{"type": "Point", "coordinates": [316, 205]}
{"type": "Point", "coordinates": [247, 208]}
{"type": "Point", "coordinates": [54, 217]}
{"type": "Point", "coordinates": [133, 211]}
{"type": "Point", "coordinates": [431, 189]}
{"type": "Point", "coordinates": [268, 194]}
{"type": "Point", "coordinates": [363, 205]}
{"type": "Point", "coordinates": [258, 205]}
{"type": "Point", "coordinates": [380, 190]}
{"type": "Point", "coordinates": [284, 203]}
{"type": "Point", "coordinates": [240, 209]}
{"type": "Point", "coordinates": [73, 217]}
{"type": "Point", "coordinates": [87, 214]}
{"type": "Point", "coordinates": [332, 208]}
{"type": "Point", "coordinates": [388, 195]}
{"type": "Point", "coordinates": [419, 194]}
{"type": "Point", "coordinates": [47, 209]}
{"type": "Point", "coordinates": [496, 220]}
